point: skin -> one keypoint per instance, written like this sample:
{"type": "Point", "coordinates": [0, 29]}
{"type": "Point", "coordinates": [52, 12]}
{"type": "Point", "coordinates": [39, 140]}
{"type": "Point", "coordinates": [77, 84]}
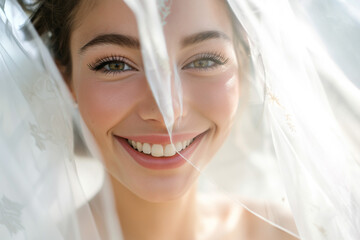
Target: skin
{"type": "Point", "coordinates": [122, 104]}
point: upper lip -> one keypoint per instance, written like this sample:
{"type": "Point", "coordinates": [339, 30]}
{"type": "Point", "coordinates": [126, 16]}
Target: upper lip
{"type": "Point", "coordinates": [162, 139]}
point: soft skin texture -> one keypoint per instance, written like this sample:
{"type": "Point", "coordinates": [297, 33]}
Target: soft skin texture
{"type": "Point", "coordinates": [122, 103]}
{"type": "Point", "coordinates": [159, 204]}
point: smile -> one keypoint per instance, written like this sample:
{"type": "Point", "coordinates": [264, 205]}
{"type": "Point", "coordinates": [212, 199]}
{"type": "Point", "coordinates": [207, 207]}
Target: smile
{"type": "Point", "coordinates": [157, 153]}
{"type": "Point", "coordinates": [158, 150]}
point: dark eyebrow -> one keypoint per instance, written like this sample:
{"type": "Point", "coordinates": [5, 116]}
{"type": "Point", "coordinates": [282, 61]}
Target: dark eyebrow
{"type": "Point", "coordinates": [131, 42]}
{"type": "Point", "coordinates": [203, 36]}
{"type": "Point", "coordinates": [117, 39]}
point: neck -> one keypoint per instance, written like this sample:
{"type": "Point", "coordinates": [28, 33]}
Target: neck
{"type": "Point", "coordinates": [141, 219]}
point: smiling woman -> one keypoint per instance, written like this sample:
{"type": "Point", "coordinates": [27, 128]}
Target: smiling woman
{"type": "Point", "coordinates": [109, 84]}
{"type": "Point", "coordinates": [195, 110]}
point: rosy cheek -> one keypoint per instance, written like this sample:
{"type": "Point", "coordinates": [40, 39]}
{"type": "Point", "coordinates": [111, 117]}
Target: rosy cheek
{"type": "Point", "coordinates": [103, 105]}
{"type": "Point", "coordinates": [216, 97]}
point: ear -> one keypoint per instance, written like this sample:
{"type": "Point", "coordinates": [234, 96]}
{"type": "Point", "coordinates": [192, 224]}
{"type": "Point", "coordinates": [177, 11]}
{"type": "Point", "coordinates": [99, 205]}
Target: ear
{"type": "Point", "coordinates": [67, 78]}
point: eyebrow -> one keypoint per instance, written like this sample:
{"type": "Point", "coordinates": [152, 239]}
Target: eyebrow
{"type": "Point", "coordinates": [203, 36]}
{"type": "Point", "coordinates": [117, 39]}
{"type": "Point", "coordinates": [132, 42]}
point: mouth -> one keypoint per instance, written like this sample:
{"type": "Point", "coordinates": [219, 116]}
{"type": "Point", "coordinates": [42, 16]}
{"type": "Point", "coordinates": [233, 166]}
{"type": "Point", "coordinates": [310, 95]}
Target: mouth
{"type": "Point", "coordinates": [159, 150]}
{"type": "Point", "coordinates": [162, 154]}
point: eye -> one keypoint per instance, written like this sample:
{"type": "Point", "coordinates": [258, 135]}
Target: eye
{"type": "Point", "coordinates": [112, 64]}
{"type": "Point", "coordinates": [116, 66]}
{"type": "Point", "coordinates": [206, 61]}
{"type": "Point", "coordinates": [202, 63]}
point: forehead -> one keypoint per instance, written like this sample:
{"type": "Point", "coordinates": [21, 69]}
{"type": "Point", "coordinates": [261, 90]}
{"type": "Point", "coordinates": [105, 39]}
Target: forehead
{"type": "Point", "coordinates": [185, 17]}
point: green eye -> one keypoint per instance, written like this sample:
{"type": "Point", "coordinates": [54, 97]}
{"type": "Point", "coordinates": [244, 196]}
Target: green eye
{"type": "Point", "coordinates": [116, 66]}
{"type": "Point", "coordinates": [206, 61]}
{"type": "Point", "coordinates": [112, 65]}
{"type": "Point", "coordinates": [202, 63]}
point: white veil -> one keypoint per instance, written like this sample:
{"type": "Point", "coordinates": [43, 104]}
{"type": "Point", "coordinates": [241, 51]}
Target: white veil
{"type": "Point", "coordinates": [306, 118]}
{"type": "Point", "coordinates": [40, 192]}
{"type": "Point", "coordinates": [292, 152]}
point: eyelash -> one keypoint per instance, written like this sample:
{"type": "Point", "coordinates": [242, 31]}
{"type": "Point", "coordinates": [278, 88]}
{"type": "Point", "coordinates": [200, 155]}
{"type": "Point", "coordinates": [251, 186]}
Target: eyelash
{"type": "Point", "coordinates": [101, 63]}
{"type": "Point", "coordinates": [217, 58]}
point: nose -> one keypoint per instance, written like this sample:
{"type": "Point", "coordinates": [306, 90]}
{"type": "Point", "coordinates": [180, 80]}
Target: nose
{"type": "Point", "coordinates": [149, 110]}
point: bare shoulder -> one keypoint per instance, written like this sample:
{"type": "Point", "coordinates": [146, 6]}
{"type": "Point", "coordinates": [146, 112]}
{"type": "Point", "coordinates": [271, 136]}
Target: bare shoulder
{"type": "Point", "coordinates": [256, 228]}
{"type": "Point", "coordinates": [234, 222]}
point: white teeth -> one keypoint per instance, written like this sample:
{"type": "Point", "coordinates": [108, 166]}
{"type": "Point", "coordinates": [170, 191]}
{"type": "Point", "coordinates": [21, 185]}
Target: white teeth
{"type": "Point", "coordinates": [178, 146]}
{"type": "Point", "coordinates": [139, 146]}
{"type": "Point", "coordinates": [133, 143]}
{"type": "Point", "coordinates": [146, 148]}
{"type": "Point", "coordinates": [184, 144]}
{"type": "Point", "coordinates": [157, 150]}
{"type": "Point", "coordinates": [169, 150]}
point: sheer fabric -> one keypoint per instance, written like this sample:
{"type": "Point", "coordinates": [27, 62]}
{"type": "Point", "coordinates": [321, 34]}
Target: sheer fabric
{"type": "Point", "coordinates": [291, 158]}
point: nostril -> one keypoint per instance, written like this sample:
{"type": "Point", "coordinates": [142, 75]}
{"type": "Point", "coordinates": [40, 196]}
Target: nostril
{"type": "Point", "coordinates": [149, 111]}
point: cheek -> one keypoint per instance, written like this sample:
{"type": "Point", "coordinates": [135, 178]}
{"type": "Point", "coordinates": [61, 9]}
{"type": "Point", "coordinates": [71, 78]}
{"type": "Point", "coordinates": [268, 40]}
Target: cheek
{"type": "Point", "coordinates": [217, 98]}
{"type": "Point", "coordinates": [105, 104]}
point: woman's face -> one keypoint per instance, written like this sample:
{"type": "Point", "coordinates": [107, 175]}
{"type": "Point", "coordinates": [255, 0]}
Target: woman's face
{"type": "Point", "coordinates": [117, 105]}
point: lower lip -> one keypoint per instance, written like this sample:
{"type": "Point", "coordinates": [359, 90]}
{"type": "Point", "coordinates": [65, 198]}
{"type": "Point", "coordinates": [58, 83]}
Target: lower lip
{"type": "Point", "coordinates": [160, 163]}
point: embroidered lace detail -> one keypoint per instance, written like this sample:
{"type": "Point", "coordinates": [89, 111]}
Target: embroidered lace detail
{"type": "Point", "coordinates": [10, 214]}
{"type": "Point", "coordinates": [164, 9]}
{"type": "Point", "coordinates": [287, 116]}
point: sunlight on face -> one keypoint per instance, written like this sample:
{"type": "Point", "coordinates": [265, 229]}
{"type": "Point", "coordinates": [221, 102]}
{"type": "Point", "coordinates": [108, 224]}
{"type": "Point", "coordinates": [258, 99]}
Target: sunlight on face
{"type": "Point", "coordinates": [117, 105]}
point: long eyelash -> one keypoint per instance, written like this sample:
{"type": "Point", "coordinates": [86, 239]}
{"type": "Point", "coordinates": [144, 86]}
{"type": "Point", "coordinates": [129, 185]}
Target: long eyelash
{"type": "Point", "coordinates": [214, 56]}
{"type": "Point", "coordinates": [101, 62]}
{"type": "Point", "coordinates": [217, 57]}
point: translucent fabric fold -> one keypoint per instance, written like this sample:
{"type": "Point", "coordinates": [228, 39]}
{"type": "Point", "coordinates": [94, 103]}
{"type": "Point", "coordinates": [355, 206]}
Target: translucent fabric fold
{"type": "Point", "coordinates": [290, 137]}
{"type": "Point", "coordinates": [291, 157]}
{"type": "Point", "coordinates": [41, 196]}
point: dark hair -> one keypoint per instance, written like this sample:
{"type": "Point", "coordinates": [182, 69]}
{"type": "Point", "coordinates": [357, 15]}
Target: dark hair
{"type": "Point", "coordinates": [57, 17]}
{"type": "Point", "coordinates": [54, 18]}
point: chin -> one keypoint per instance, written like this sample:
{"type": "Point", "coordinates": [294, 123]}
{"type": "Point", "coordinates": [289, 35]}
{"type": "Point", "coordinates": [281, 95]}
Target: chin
{"type": "Point", "coordinates": [163, 188]}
